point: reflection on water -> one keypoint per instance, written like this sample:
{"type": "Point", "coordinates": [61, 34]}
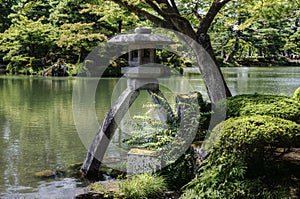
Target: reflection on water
{"type": "Point", "coordinates": [277, 80]}
{"type": "Point", "coordinates": [241, 80]}
{"type": "Point", "coordinates": [37, 128]}
{"type": "Point", "coordinates": [36, 132]}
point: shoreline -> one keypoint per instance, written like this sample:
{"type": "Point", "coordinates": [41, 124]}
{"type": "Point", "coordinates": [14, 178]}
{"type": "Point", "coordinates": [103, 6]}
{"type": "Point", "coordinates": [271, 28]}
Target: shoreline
{"type": "Point", "coordinates": [182, 70]}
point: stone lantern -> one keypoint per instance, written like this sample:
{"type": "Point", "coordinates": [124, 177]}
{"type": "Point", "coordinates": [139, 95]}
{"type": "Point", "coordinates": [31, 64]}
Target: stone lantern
{"type": "Point", "coordinates": [142, 73]}
{"type": "Point", "coordinates": [142, 68]}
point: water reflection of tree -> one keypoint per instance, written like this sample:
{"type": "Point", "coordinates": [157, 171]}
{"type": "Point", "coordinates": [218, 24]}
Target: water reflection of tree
{"type": "Point", "coordinates": [37, 113]}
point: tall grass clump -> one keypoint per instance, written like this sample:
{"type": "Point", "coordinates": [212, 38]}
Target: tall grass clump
{"type": "Point", "coordinates": [144, 186]}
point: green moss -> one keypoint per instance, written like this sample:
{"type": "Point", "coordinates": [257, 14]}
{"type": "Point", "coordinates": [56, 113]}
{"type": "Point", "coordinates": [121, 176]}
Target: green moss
{"type": "Point", "coordinates": [242, 157]}
{"type": "Point", "coordinates": [105, 187]}
{"type": "Point", "coordinates": [240, 153]}
{"type": "Point", "coordinates": [45, 174]}
{"type": "Point", "coordinates": [250, 132]}
{"type": "Point", "coordinates": [254, 104]}
{"type": "Point", "coordinates": [297, 94]}
{"type": "Point", "coordinates": [76, 165]}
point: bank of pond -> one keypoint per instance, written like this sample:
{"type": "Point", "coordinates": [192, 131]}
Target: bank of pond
{"type": "Point", "coordinates": [253, 153]}
{"type": "Point", "coordinates": [62, 68]}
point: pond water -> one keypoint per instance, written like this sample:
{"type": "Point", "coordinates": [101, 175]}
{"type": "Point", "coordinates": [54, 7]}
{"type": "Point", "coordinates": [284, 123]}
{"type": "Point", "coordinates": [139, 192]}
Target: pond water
{"type": "Point", "coordinates": [38, 131]}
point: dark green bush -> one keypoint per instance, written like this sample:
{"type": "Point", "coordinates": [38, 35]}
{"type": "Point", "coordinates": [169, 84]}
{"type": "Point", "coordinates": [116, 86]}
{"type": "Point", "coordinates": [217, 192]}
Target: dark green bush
{"type": "Point", "coordinates": [153, 134]}
{"type": "Point", "coordinates": [238, 144]}
{"type": "Point", "coordinates": [173, 139]}
{"type": "Point", "coordinates": [180, 172]}
{"type": "Point", "coordinates": [255, 104]}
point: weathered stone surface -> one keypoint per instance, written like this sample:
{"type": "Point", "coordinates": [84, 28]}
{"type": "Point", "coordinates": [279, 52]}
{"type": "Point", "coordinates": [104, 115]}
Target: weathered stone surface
{"type": "Point", "coordinates": [142, 160]}
{"type": "Point", "coordinates": [93, 195]}
{"type": "Point", "coordinates": [142, 84]}
{"type": "Point", "coordinates": [147, 71]}
{"type": "Point", "coordinates": [141, 36]}
{"type": "Point", "coordinates": [46, 174]}
{"type": "Point", "coordinates": [100, 143]}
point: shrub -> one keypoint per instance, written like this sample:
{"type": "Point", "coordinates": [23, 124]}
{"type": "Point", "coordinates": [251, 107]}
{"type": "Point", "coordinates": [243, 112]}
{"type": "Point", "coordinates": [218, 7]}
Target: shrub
{"type": "Point", "coordinates": [239, 144]}
{"type": "Point", "coordinates": [254, 104]}
{"type": "Point", "coordinates": [180, 172]}
{"type": "Point", "coordinates": [174, 139]}
{"type": "Point", "coordinates": [297, 94]}
{"type": "Point", "coordinates": [144, 186]}
{"type": "Point", "coordinates": [190, 194]}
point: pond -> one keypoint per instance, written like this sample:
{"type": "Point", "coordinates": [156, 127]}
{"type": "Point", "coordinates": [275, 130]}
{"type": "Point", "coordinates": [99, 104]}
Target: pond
{"type": "Point", "coordinates": [38, 129]}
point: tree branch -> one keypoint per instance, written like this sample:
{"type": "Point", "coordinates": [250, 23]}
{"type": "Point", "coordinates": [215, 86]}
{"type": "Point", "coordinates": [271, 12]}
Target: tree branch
{"type": "Point", "coordinates": [149, 16]}
{"type": "Point", "coordinates": [214, 9]}
{"type": "Point", "coordinates": [155, 7]}
{"type": "Point", "coordinates": [195, 12]}
{"type": "Point", "coordinates": [170, 17]}
{"type": "Point", "coordinates": [171, 13]}
{"type": "Point", "coordinates": [173, 4]}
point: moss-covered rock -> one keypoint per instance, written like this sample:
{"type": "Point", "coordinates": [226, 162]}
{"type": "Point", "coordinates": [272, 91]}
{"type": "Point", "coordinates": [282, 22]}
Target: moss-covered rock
{"type": "Point", "coordinates": [255, 104]}
{"type": "Point", "coordinates": [109, 188]}
{"type": "Point", "coordinates": [241, 146]}
{"type": "Point", "coordinates": [250, 132]}
{"type": "Point", "coordinates": [45, 174]}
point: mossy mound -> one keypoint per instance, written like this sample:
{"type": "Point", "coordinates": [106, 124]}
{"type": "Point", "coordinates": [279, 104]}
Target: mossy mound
{"type": "Point", "coordinates": [242, 150]}
{"type": "Point", "coordinates": [253, 131]}
{"type": "Point", "coordinates": [242, 158]}
{"type": "Point", "coordinates": [255, 104]}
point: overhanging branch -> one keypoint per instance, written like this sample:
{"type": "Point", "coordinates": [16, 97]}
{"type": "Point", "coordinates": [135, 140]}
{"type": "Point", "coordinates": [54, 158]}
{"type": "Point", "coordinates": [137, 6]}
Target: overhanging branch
{"type": "Point", "coordinates": [214, 9]}
{"type": "Point", "coordinates": [149, 16]}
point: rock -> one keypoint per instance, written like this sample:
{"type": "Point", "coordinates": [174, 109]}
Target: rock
{"type": "Point", "coordinates": [45, 174]}
{"type": "Point", "coordinates": [92, 195]}
{"type": "Point", "coordinates": [103, 189]}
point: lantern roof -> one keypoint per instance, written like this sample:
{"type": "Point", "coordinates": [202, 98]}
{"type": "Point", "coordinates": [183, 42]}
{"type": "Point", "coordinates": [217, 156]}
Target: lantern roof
{"type": "Point", "coordinates": [141, 36]}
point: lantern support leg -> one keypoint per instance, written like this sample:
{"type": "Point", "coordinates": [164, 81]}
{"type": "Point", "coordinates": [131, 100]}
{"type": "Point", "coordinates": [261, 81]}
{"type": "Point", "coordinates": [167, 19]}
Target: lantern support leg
{"type": "Point", "coordinates": [94, 157]}
{"type": "Point", "coordinates": [92, 162]}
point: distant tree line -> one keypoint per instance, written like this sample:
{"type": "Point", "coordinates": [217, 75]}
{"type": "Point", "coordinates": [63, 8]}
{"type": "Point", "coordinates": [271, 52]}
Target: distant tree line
{"type": "Point", "coordinates": [34, 35]}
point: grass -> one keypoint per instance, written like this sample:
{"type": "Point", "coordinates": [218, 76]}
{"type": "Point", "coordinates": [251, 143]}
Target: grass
{"type": "Point", "coordinates": [144, 186]}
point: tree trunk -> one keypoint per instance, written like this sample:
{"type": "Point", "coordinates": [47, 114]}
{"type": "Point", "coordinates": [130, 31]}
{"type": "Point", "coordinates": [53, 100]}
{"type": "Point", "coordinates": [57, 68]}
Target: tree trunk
{"type": "Point", "coordinates": [211, 73]}
{"type": "Point", "coordinates": [171, 18]}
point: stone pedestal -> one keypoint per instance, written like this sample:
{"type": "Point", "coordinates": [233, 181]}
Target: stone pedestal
{"type": "Point", "coordinates": [142, 84]}
{"type": "Point", "coordinates": [141, 161]}
{"type": "Point", "coordinates": [152, 70]}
